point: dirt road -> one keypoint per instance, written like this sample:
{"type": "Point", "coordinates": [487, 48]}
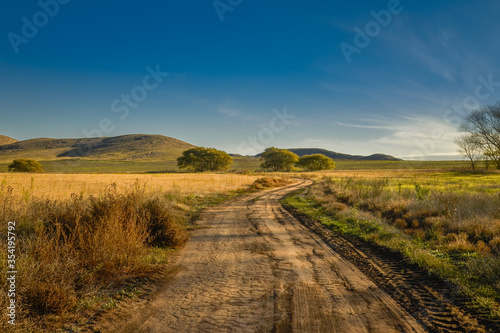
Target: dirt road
{"type": "Point", "coordinates": [252, 267]}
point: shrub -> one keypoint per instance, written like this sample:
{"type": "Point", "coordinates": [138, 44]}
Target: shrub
{"type": "Point", "coordinates": [401, 223]}
{"type": "Point", "coordinates": [71, 250]}
{"type": "Point", "coordinates": [495, 245]}
{"type": "Point", "coordinates": [23, 165]}
{"type": "Point", "coordinates": [266, 182]}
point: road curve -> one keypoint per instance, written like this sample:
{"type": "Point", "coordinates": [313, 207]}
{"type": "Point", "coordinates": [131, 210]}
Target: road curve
{"type": "Point", "coordinates": [252, 267]}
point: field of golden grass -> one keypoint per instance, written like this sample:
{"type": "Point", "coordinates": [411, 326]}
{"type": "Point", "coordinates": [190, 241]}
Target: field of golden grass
{"type": "Point", "coordinates": [81, 238]}
{"type": "Point", "coordinates": [62, 186]}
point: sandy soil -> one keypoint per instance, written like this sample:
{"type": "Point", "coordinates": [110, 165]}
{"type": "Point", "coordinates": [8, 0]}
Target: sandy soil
{"type": "Point", "coordinates": [253, 267]}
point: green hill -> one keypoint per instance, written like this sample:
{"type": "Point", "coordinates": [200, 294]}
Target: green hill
{"type": "Point", "coordinates": [119, 148]}
{"type": "Point", "coordinates": [339, 156]}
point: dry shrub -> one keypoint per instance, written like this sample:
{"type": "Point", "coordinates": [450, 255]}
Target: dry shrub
{"type": "Point", "coordinates": [451, 237]}
{"type": "Point", "coordinates": [415, 224]}
{"type": "Point", "coordinates": [401, 223]}
{"type": "Point", "coordinates": [483, 248]}
{"type": "Point", "coordinates": [460, 243]}
{"type": "Point", "coordinates": [164, 222]}
{"type": "Point", "coordinates": [495, 245]}
{"type": "Point", "coordinates": [417, 233]}
{"type": "Point", "coordinates": [338, 206]}
{"type": "Point", "coordinates": [432, 222]}
{"type": "Point", "coordinates": [266, 182]}
{"type": "Point", "coordinates": [68, 249]}
{"type": "Point", "coordinates": [479, 228]}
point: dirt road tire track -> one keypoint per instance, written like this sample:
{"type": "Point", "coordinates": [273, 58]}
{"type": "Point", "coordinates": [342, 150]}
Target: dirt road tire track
{"type": "Point", "coordinates": [434, 302]}
{"type": "Point", "coordinates": [253, 267]}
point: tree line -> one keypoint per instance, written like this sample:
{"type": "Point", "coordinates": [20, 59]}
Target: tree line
{"type": "Point", "coordinates": [202, 159]}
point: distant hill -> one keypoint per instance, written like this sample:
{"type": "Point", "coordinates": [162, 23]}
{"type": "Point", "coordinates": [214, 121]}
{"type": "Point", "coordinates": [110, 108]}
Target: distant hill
{"type": "Point", "coordinates": [5, 140]}
{"type": "Point", "coordinates": [139, 147]}
{"type": "Point", "coordinates": [126, 147]}
{"type": "Point", "coordinates": [339, 156]}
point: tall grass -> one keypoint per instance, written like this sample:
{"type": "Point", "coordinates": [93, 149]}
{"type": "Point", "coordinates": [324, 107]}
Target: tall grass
{"type": "Point", "coordinates": [75, 252]}
{"type": "Point", "coordinates": [70, 250]}
{"type": "Point", "coordinates": [453, 232]}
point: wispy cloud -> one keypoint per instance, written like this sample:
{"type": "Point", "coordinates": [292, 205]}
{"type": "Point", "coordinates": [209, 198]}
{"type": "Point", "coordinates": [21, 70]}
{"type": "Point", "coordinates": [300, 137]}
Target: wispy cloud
{"type": "Point", "coordinates": [366, 126]}
{"type": "Point", "coordinates": [429, 47]}
{"type": "Point", "coordinates": [421, 136]}
{"type": "Point", "coordinates": [228, 111]}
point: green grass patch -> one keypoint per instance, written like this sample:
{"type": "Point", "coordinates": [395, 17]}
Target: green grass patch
{"type": "Point", "coordinates": [476, 276]}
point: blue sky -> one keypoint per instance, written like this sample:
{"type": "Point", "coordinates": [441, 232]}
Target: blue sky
{"type": "Point", "coordinates": [243, 75]}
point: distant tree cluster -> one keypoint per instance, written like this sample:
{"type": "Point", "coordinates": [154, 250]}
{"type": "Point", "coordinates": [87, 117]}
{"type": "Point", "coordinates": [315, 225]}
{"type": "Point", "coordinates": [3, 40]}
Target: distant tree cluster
{"type": "Point", "coordinates": [23, 165]}
{"type": "Point", "coordinates": [202, 159]}
{"type": "Point", "coordinates": [276, 159]}
{"type": "Point", "coordinates": [481, 140]}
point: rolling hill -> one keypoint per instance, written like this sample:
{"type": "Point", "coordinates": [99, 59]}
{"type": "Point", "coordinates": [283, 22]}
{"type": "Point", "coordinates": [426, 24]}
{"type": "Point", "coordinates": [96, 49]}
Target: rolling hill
{"type": "Point", "coordinates": [122, 148]}
{"type": "Point", "coordinates": [5, 140]}
{"type": "Point", "coordinates": [339, 156]}
{"type": "Point", "coordinates": [126, 149]}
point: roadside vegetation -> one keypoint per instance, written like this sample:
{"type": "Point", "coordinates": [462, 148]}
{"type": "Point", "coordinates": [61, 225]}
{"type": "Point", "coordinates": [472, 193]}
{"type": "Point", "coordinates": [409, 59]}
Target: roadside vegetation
{"type": "Point", "coordinates": [81, 247]}
{"type": "Point", "coordinates": [448, 223]}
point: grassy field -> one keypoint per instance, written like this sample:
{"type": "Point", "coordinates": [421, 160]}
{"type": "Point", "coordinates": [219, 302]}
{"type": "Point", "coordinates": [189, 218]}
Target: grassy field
{"type": "Point", "coordinates": [63, 186]}
{"type": "Point", "coordinates": [86, 241]}
{"type": "Point", "coordinates": [448, 222]}
{"type": "Point", "coordinates": [443, 217]}
{"type": "Point", "coordinates": [240, 164]}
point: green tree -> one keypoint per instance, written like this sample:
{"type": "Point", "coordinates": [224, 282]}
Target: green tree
{"type": "Point", "coordinates": [316, 162]}
{"type": "Point", "coordinates": [202, 159]}
{"type": "Point", "coordinates": [23, 165]}
{"type": "Point", "coordinates": [276, 159]}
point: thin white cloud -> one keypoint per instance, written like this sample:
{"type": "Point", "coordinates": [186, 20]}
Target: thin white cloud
{"type": "Point", "coordinates": [366, 126]}
{"type": "Point", "coordinates": [228, 111]}
{"type": "Point", "coordinates": [421, 136]}
{"type": "Point", "coordinates": [408, 137]}
{"type": "Point", "coordinates": [430, 47]}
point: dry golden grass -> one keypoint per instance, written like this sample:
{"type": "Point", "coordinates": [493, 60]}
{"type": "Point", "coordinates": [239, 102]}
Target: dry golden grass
{"type": "Point", "coordinates": [453, 215]}
{"type": "Point", "coordinates": [82, 236]}
{"type": "Point", "coordinates": [61, 186]}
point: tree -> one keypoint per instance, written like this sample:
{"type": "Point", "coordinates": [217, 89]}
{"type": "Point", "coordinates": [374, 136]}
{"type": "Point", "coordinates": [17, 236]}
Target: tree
{"type": "Point", "coordinates": [202, 159]}
{"type": "Point", "coordinates": [471, 147]}
{"type": "Point", "coordinates": [23, 165]}
{"type": "Point", "coordinates": [484, 124]}
{"type": "Point", "coordinates": [316, 162]}
{"type": "Point", "coordinates": [491, 154]}
{"type": "Point", "coordinates": [276, 159]}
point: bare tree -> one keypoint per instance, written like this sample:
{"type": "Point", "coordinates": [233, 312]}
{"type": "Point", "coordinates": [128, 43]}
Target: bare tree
{"type": "Point", "coordinates": [484, 125]}
{"type": "Point", "coordinates": [485, 122]}
{"type": "Point", "coordinates": [492, 154]}
{"type": "Point", "coordinates": [471, 147]}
